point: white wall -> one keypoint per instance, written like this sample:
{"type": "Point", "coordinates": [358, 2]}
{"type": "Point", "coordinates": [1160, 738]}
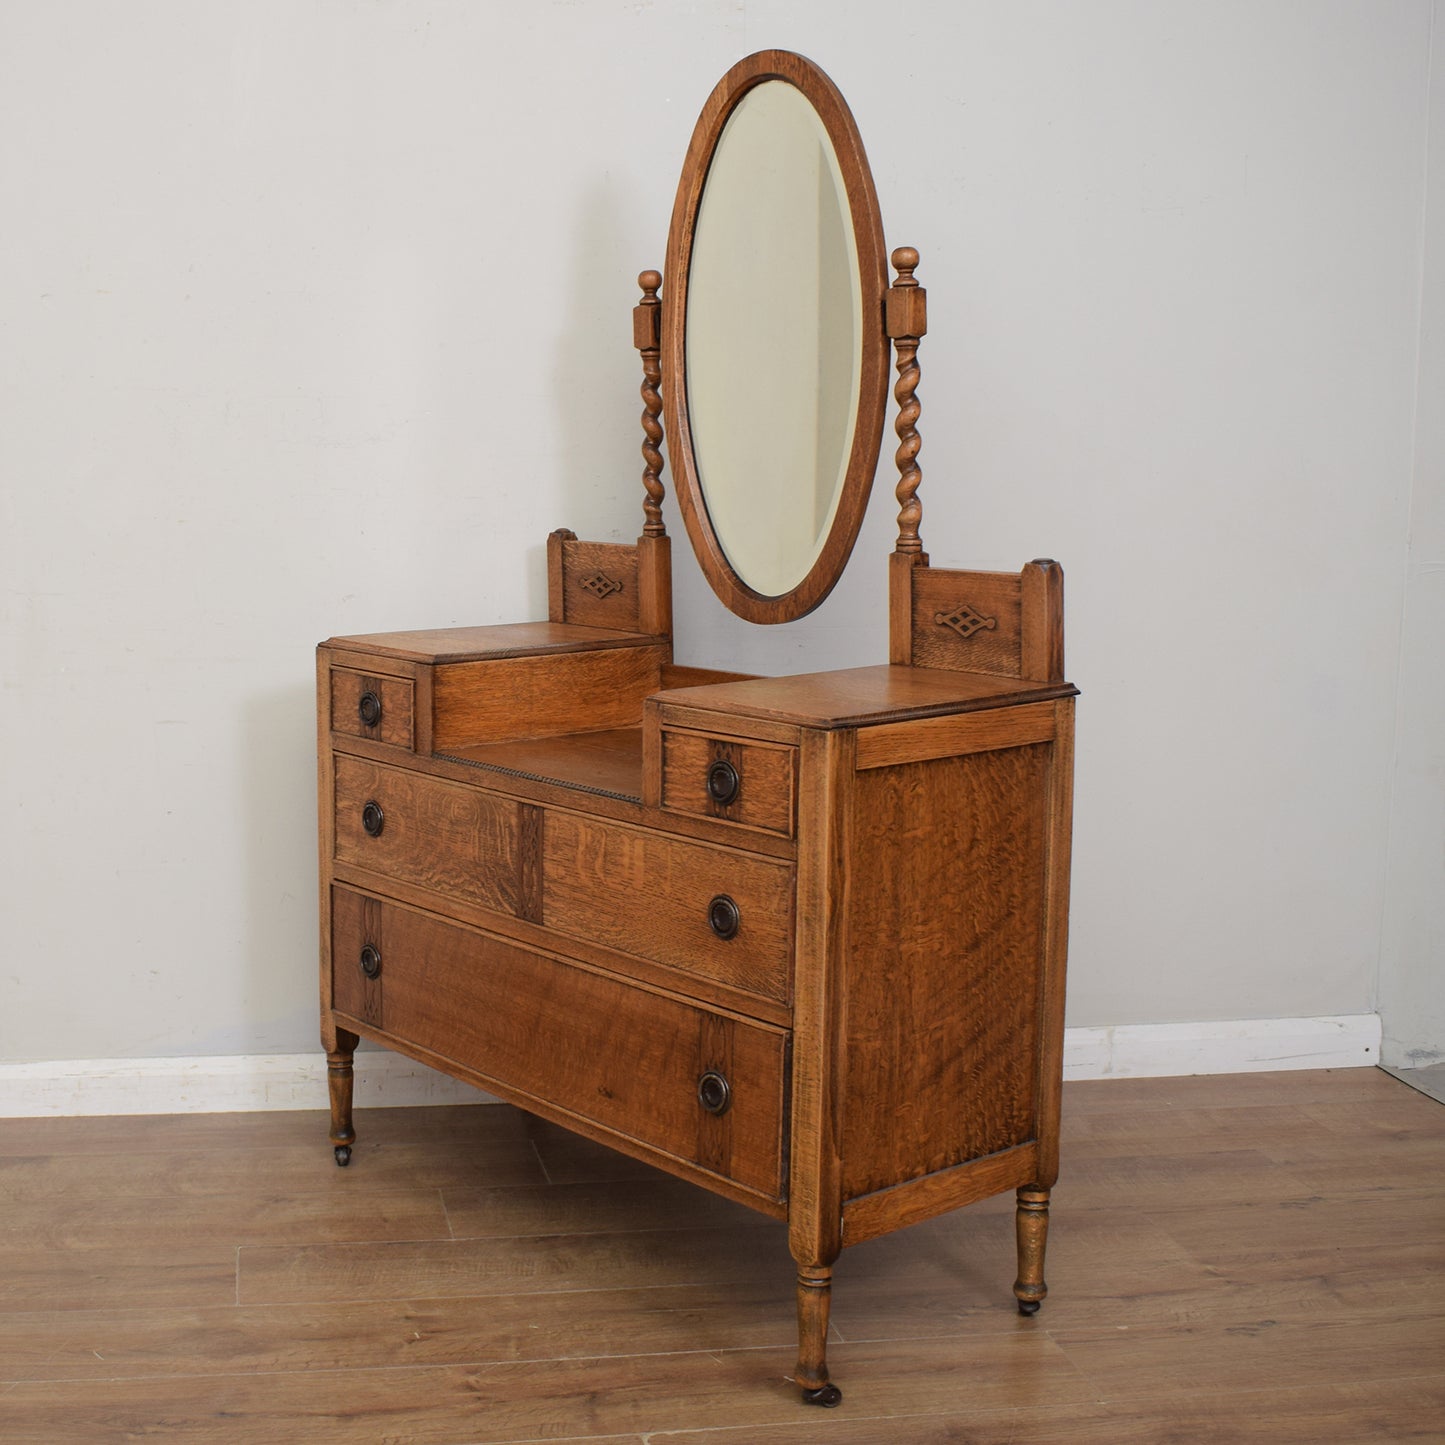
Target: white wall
{"type": "Point", "coordinates": [1412, 965]}
{"type": "Point", "coordinates": [315, 319]}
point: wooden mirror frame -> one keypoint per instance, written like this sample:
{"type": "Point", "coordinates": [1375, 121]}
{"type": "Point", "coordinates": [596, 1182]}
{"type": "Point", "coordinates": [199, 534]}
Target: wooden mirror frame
{"type": "Point", "coordinates": [832, 110]}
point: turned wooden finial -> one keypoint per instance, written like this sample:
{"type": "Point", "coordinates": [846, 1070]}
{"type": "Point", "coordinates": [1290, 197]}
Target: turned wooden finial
{"type": "Point", "coordinates": [647, 338]}
{"type": "Point", "coordinates": [906, 320]}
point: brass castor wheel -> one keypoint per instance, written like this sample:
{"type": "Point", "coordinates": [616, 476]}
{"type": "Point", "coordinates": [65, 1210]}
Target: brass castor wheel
{"type": "Point", "coordinates": [825, 1395]}
{"type": "Point", "coordinates": [343, 1155]}
{"type": "Point", "coordinates": [1029, 1306]}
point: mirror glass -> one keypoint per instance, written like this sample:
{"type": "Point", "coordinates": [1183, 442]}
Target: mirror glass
{"type": "Point", "coordinates": [774, 357]}
{"type": "Point", "coordinates": [774, 313]}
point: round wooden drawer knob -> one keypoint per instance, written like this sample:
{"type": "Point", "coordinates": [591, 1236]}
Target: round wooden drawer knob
{"type": "Point", "coordinates": [373, 820]}
{"type": "Point", "coordinates": [369, 709]}
{"type": "Point", "coordinates": [370, 961]}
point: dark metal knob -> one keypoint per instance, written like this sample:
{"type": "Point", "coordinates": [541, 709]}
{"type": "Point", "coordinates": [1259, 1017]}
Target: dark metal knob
{"type": "Point", "coordinates": [723, 916]}
{"type": "Point", "coordinates": [714, 1093]}
{"type": "Point", "coordinates": [723, 782]}
{"type": "Point", "coordinates": [369, 709]}
{"type": "Point", "coordinates": [373, 819]}
{"type": "Point", "coordinates": [370, 960]}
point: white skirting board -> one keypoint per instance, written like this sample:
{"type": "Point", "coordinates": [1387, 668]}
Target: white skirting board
{"type": "Point", "coordinates": [220, 1085]}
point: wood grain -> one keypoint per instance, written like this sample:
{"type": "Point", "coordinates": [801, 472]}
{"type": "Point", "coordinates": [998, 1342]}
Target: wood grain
{"type": "Point", "coordinates": [1057, 873]}
{"type": "Point", "coordinates": [825, 816]}
{"type": "Point", "coordinates": [394, 726]}
{"type": "Point", "coordinates": [441, 836]}
{"type": "Point", "coordinates": [543, 696]}
{"type": "Point", "coordinates": [648, 894]}
{"type": "Point", "coordinates": [906, 321]}
{"type": "Point", "coordinates": [600, 585]}
{"type": "Point", "coordinates": [767, 779]}
{"type": "Point", "coordinates": [994, 597]}
{"type": "Point", "coordinates": [677, 675]}
{"type": "Point", "coordinates": [513, 1266]}
{"type": "Point", "coordinates": [417, 1332]}
{"type": "Point", "coordinates": [867, 696]}
{"type": "Point", "coordinates": [472, 644]}
{"type": "Point", "coordinates": [712, 991]}
{"type": "Point", "coordinates": [609, 761]}
{"type": "Point", "coordinates": [1197, 1214]}
{"type": "Point", "coordinates": [928, 1195]}
{"type": "Point", "coordinates": [520, 1402]}
{"type": "Point", "coordinates": [945, 929]}
{"type": "Point", "coordinates": [625, 1058]}
{"type": "Point", "coordinates": [654, 586]}
{"type": "Point", "coordinates": [647, 338]}
{"type": "Point", "coordinates": [1042, 619]}
{"type": "Point", "coordinates": [900, 605]}
{"type": "Point", "coordinates": [941, 737]}
{"type": "Point", "coordinates": [556, 596]}
{"type": "Point", "coordinates": [1326, 1415]}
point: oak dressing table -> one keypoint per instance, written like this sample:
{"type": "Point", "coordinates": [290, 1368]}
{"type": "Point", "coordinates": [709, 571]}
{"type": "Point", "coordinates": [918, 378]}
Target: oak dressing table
{"type": "Point", "coordinates": [799, 940]}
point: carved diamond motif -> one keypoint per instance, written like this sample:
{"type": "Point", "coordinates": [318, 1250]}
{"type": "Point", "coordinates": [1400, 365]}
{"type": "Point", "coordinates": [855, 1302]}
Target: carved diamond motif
{"type": "Point", "coordinates": [599, 584]}
{"type": "Point", "coordinates": [965, 621]}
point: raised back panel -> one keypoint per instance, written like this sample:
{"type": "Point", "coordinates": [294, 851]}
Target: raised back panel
{"type": "Point", "coordinates": [1007, 624]}
{"type": "Point", "coordinates": [966, 621]}
{"type": "Point", "coordinates": [617, 585]}
{"type": "Point", "coordinates": [593, 584]}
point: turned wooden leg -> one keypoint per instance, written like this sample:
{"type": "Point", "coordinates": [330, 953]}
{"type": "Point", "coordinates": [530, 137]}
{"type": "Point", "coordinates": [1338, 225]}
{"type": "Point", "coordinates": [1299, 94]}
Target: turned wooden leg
{"type": "Point", "coordinates": [1032, 1224]}
{"type": "Point", "coordinates": [815, 1293]}
{"type": "Point", "coordinates": [338, 1083]}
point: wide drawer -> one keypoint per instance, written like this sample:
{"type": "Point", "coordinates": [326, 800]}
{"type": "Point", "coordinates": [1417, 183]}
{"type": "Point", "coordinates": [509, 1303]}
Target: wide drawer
{"type": "Point", "coordinates": [428, 831]}
{"type": "Point", "coordinates": [377, 708]}
{"type": "Point", "coordinates": [712, 776]}
{"type": "Point", "coordinates": [713, 912]}
{"type": "Point", "coordinates": [626, 1059]}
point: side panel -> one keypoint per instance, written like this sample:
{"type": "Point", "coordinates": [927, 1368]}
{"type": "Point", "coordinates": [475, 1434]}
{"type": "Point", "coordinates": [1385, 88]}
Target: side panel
{"type": "Point", "coordinates": [945, 967]}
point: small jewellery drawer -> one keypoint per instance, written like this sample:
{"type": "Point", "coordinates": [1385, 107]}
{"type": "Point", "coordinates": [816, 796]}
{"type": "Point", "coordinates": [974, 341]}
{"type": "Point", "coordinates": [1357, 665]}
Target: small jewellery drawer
{"type": "Point", "coordinates": [722, 915]}
{"type": "Point", "coordinates": [379, 708]}
{"type": "Point", "coordinates": [704, 1087]}
{"type": "Point", "coordinates": [752, 783]}
{"type": "Point", "coordinates": [427, 831]}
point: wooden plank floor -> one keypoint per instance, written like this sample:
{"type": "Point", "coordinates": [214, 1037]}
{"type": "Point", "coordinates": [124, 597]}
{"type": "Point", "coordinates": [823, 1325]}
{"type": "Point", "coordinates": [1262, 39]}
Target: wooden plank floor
{"type": "Point", "coordinates": [1259, 1257]}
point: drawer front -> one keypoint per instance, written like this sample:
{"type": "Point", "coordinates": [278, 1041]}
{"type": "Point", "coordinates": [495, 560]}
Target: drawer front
{"type": "Point", "coordinates": [719, 914]}
{"type": "Point", "coordinates": [427, 831]}
{"type": "Point", "coordinates": [620, 1057]}
{"type": "Point", "coordinates": [749, 783]}
{"type": "Point", "coordinates": [378, 708]}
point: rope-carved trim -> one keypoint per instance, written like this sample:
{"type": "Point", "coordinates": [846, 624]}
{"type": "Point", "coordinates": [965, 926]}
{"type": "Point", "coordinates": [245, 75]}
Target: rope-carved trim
{"type": "Point", "coordinates": [647, 337]}
{"type": "Point", "coordinates": [906, 317]}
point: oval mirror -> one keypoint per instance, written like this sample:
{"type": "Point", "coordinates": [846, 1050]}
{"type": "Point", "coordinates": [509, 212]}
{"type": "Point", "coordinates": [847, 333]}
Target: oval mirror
{"type": "Point", "coordinates": [775, 361]}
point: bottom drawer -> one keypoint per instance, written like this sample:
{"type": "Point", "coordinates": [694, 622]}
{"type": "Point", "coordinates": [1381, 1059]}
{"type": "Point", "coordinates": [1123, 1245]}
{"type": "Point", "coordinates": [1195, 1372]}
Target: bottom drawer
{"type": "Point", "coordinates": [624, 1058]}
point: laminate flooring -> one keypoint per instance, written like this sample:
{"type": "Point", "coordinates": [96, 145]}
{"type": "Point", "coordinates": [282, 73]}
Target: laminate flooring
{"type": "Point", "coordinates": [1257, 1257]}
